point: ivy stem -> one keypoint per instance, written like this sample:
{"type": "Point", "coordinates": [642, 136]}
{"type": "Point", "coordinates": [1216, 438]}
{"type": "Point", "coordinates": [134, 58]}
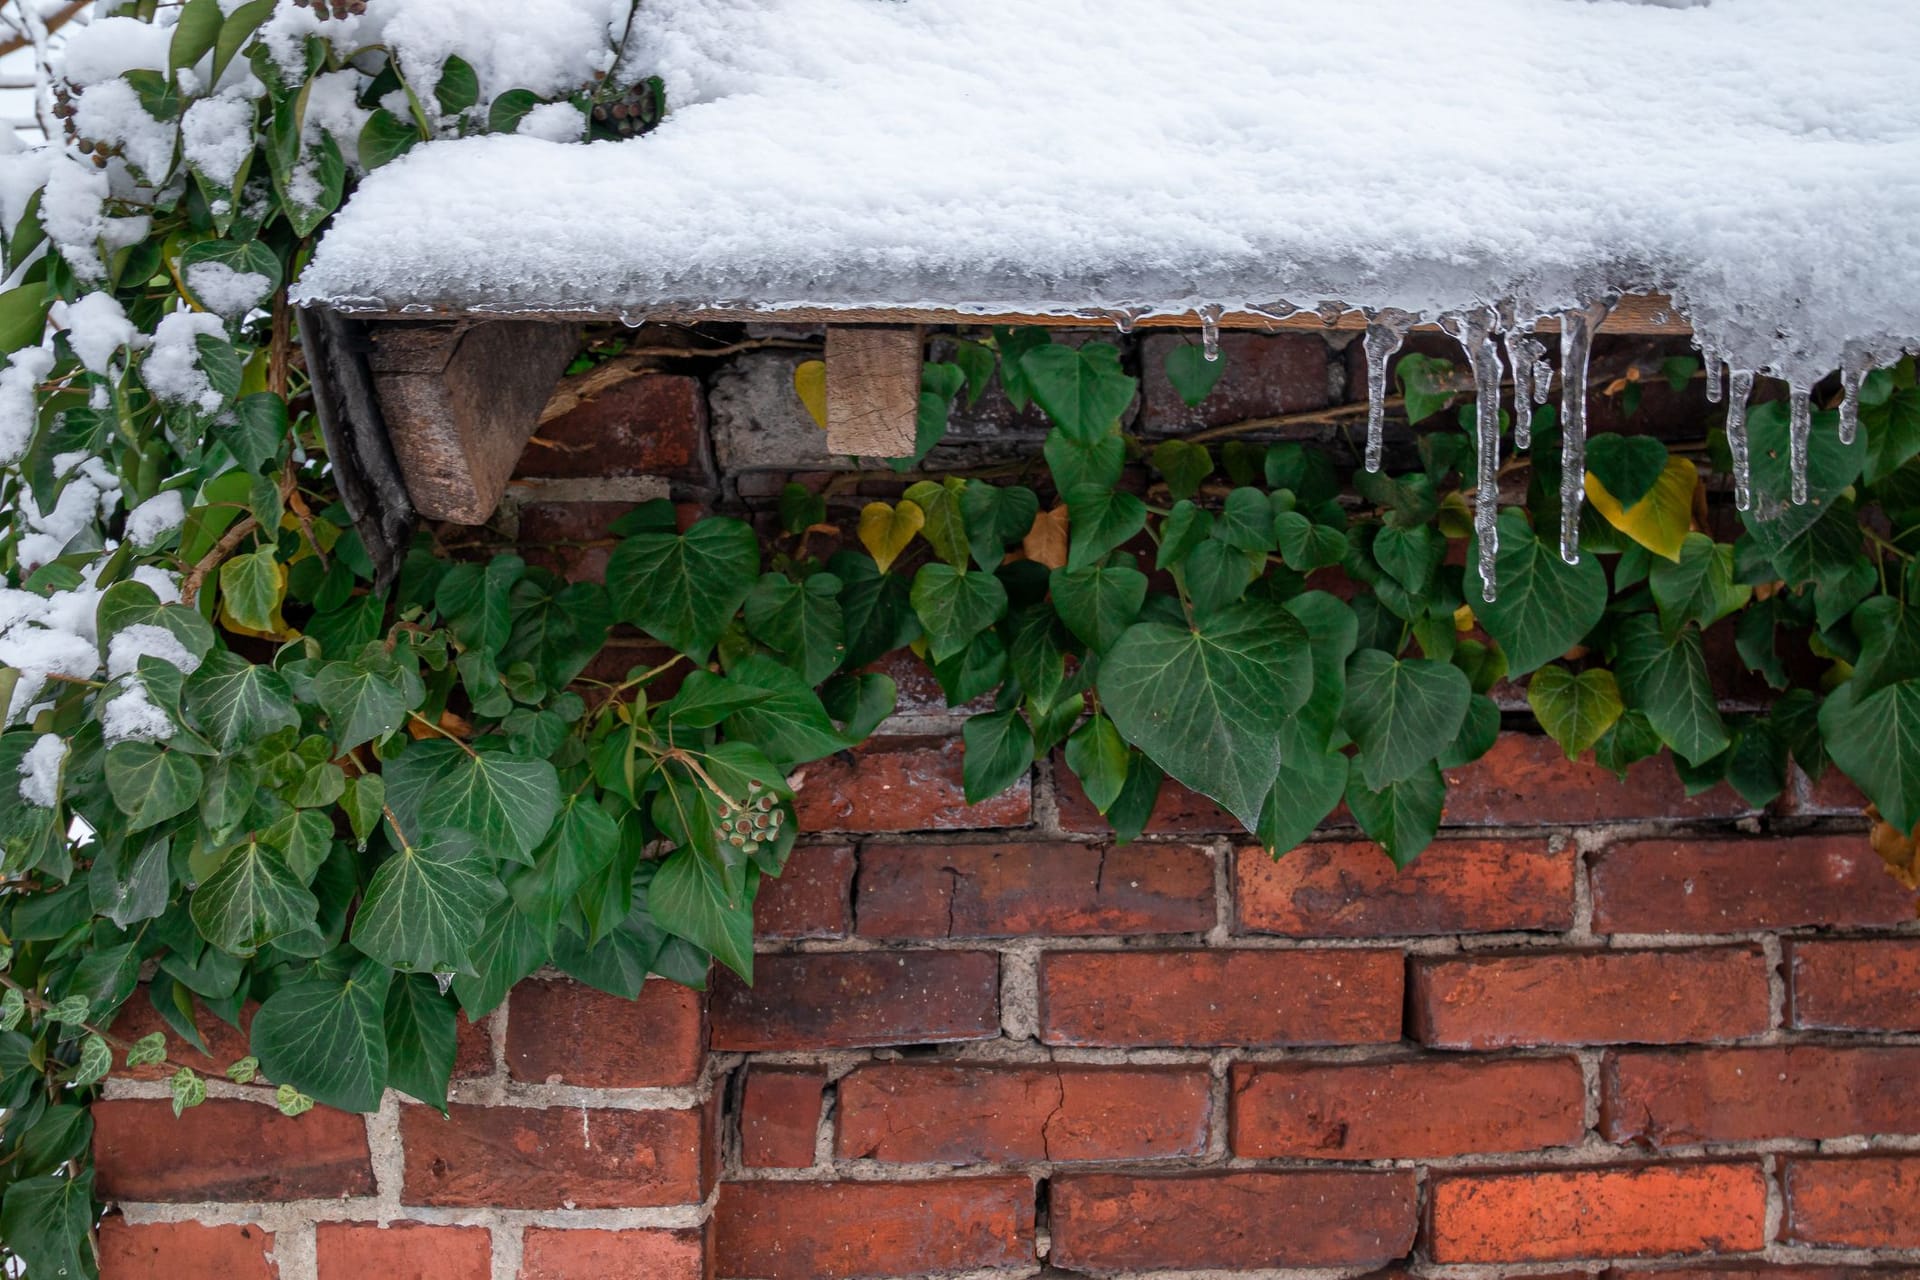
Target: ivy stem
{"type": "Point", "coordinates": [448, 734]}
{"type": "Point", "coordinates": [190, 585]}
{"type": "Point", "coordinates": [35, 1001]}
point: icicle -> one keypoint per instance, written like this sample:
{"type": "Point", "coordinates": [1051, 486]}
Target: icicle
{"type": "Point", "coordinates": [1800, 426]}
{"type": "Point", "coordinates": [1710, 360]}
{"type": "Point", "coordinates": [1576, 345]}
{"type": "Point", "coordinates": [633, 319]}
{"type": "Point", "coordinates": [1473, 330]}
{"type": "Point", "coordinates": [1542, 374]}
{"type": "Point", "coordinates": [1210, 315]}
{"type": "Point", "coordinates": [1523, 358]}
{"type": "Point", "coordinates": [1386, 330]}
{"type": "Point", "coordinates": [1330, 312]}
{"type": "Point", "coordinates": [1855, 364]}
{"type": "Point", "coordinates": [1739, 387]}
{"type": "Point", "coordinates": [1124, 318]}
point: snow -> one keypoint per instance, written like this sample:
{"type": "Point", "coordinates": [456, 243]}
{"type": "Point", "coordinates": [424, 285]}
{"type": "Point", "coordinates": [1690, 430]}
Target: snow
{"type": "Point", "coordinates": [98, 328]}
{"type": "Point", "coordinates": [40, 770]}
{"type": "Point", "coordinates": [171, 368]}
{"type": "Point", "coordinates": [554, 122]}
{"type": "Point", "coordinates": [19, 400]}
{"type": "Point", "coordinates": [548, 46]}
{"type": "Point", "coordinates": [155, 518]}
{"type": "Point", "coordinates": [131, 716]}
{"type": "Point", "coordinates": [217, 136]}
{"type": "Point", "coordinates": [110, 47]}
{"type": "Point", "coordinates": [90, 491]}
{"type": "Point", "coordinates": [110, 112]}
{"type": "Point", "coordinates": [224, 291]}
{"type": "Point", "coordinates": [40, 637]}
{"type": "Point", "coordinates": [1757, 159]}
{"type": "Point", "coordinates": [128, 645]}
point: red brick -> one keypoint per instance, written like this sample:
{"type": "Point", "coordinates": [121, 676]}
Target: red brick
{"type": "Point", "coordinates": [1864, 1201]}
{"type": "Point", "coordinates": [1527, 780]}
{"type": "Point", "coordinates": [472, 1047]}
{"type": "Point", "coordinates": [845, 1230]}
{"type": "Point", "coordinates": [1762, 1271]}
{"type": "Point", "coordinates": [1248, 998]}
{"type": "Point", "coordinates": [1177, 810]}
{"type": "Point", "coordinates": [554, 1157]}
{"type": "Point", "coordinates": [810, 898]}
{"type": "Point", "coordinates": [1865, 984]}
{"type": "Point", "coordinates": [170, 1250]}
{"type": "Point", "coordinates": [138, 1019]}
{"type": "Point", "coordinates": [651, 425]}
{"type": "Point", "coordinates": [556, 1253]}
{"type": "Point", "coordinates": [404, 1251]}
{"type": "Point", "coordinates": [1775, 882]}
{"type": "Point", "coordinates": [850, 1000]}
{"type": "Point", "coordinates": [1416, 1109]}
{"type": "Point", "coordinates": [1670, 1099]}
{"type": "Point", "coordinates": [913, 1112]}
{"type": "Point", "coordinates": [1011, 890]}
{"type": "Point", "coordinates": [562, 1032]}
{"type": "Point", "coordinates": [144, 1153]}
{"type": "Point", "coordinates": [1232, 1221]}
{"type": "Point", "coordinates": [1266, 374]}
{"type": "Point", "coordinates": [780, 1116]}
{"type": "Point", "coordinates": [1625, 1212]}
{"type": "Point", "coordinates": [1834, 792]}
{"type": "Point", "coordinates": [1351, 889]}
{"type": "Point", "coordinates": [902, 784]}
{"type": "Point", "coordinates": [570, 539]}
{"type": "Point", "coordinates": [1590, 997]}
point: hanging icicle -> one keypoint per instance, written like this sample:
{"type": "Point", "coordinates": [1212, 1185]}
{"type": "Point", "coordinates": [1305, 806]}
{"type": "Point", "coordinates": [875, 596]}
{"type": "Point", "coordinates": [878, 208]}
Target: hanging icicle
{"type": "Point", "coordinates": [1799, 428]}
{"type": "Point", "coordinates": [1523, 361]}
{"type": "Point", "coordinates": [1739, 388]}
{"type": "Point", "coordinates": [1210, 314]}
{"type": "Point", "coordinates": [1124, 318]}
{"type": "Point", "coordinates": [1711, 362]}
{"type": "Point", "coordinates": [1855, 363]}
{"type": "Point", "coordinates": [1474, 331]}
{"type": "Point", "coordinates": [1576, 346]}
{"type": "Point", "coordinates": [1386, 330]}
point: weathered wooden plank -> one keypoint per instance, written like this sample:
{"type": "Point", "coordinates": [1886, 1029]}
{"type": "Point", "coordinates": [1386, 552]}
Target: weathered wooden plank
{"type": "Point", "coordinates": [461, 399]}
{"type": "Point", "coordinates": [1651, 314]}
{"type": "Point", "coordinates": [873, 389]}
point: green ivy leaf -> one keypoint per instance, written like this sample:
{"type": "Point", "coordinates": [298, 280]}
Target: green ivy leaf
{"type": "Point", "coordinates": [148, 1051]}
{"type": "Point", "coordinates": [459, 86]}
{"type": "Point", "coordinates": [1083, 390]}
{"type": "Point", "coordinates": [955, 606]}
{"type": "Point", "coordinates": [1192, 374]}
{"type": "Point", "coordinates": [251, 588]}
{"type": "Point", "coordinates": [1099, 603]}
{"type": "Point", "coordinates": [1202, 703]}
{"type": "Point", "coordinates": [1073, 462]}
{"type": "Point", "coordinates": [236, 702]}
{"type": "Point", "coordinates": [1185, 465]}
{"type": "Point", "coordinates": [1875, 739]}
{"type": "Point", "coordinates": [194, 34]}
{"type": "Point", "coordinates": [235, 31]}
{"type": "Point", "coordinates": [582, 843]}
{"type": "Point", "coordinates": [1184, 530]}
{"type": "Point", "coordinates": [425, 903]}
{"type": "Point", "coordinates": [510, 947]}
{"type": "Point", "coordinates": [291, 1101]}
{"type": "Point", "coordinates": [1100, 519]}
{"type": "Point", "coordinates": [790, 725]}
{"type": "Point", "coordinates": [1403, 816]}
{"type": "Point", "coordinates": [1308, 787]}
{"type": "Point", "coordinates": [946, 526]}
{"type": "Point", "coordinates": [509, 109]}
{"type": "Point", "coordinates": [96, 1059]}
{"type": "Point", "coordinates": [682, 590]}
{"type": "Point", "coordinates": [1545, 605]}
{"type": "Point", "coordinates": [420, 1033]}
{"type": "Point", "coordinates": [1627, 465]}
{"type": "Point", "coordinates": [1427, 384]}
{"type": "Point", "coordinates": [1401, 713]}
{"type": "Point", "coordinates": [1892, 431]}
{"type": "Point", "coordinates": [999, 751]}
{"type": "Point", "coordinates": [1099, 757]}
{"type": "Point", "coordinates": [384, 137]}
{"type": "Point", "coordinates": [150, 784]}
{"type": "Point", "coordinates": [189, 1090]}
{"type": "Point", "coordinates": [48, 1223]}
{"type": "Point", "coordinates": [1698, 587]}
{"type": "Point", "coordinates": [707, 904]}
{"type": "Point", "coordinates": [994, 518]}
{"type": "Point", "coordinates": [1889, 633]}
{"type": "Point", "coordinates": [325, 1036]}
{"type": "Point", "coordinates": [505, 804]}
{"type": "Point", "coordinates": [1575, 710]}
{"type": "Point", "coordinates": [1410, 554]}
{"type": "Point", "coordinates": [1216, 575]}
{"type": "Point", "coordinates": [1668, 682]}
{"type": "Point", "coordinates": [1306, 546]}
{"type": "Point", "coordinates": [1774, 522]}
{"type": "Point", "coordinates": [801, 620]}
{"type": "Point", "coordinates": [253, 898]}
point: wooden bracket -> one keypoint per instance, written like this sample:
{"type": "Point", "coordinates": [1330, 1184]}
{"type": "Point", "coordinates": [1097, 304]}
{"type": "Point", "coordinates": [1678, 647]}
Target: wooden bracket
{"type": "Point", "coordinates": [873, 389]}
{"type": "Point", "coordinates": [461, 401]}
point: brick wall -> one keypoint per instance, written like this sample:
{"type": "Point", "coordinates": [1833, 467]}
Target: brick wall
{"type": "Point", "coordinates": [1598, 1028]}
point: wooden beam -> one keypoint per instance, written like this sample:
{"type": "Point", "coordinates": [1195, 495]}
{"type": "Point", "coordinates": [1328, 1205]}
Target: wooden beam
{"type": "Point", "coordinates": [461, 399]}
{"type": "Point", "coordinates": [1647, 314]}
{"type": "Point", "coordinates": [873, 389]}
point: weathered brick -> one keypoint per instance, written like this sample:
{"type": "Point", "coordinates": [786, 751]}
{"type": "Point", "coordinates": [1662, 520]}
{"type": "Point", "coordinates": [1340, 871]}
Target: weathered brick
{"type": "Point", "coordinates": [1864, 1201]}
{"type": "Point", "coordinates": [1674, 1098]}
{"type": "Point", "coordinates": [1351, 889]}
{"type": "Point", "coordinates": [1589, 997]}
{"type": "Point", "coordinates": [902, 784]}
{"type": "Point", "coordinates": [1832, 792]}
{"type": "Point", "coordinates": [1631, 1211]}
{"type": "Point", "coordinates": [848, 1230]}
{"type": "Point", "coordinates": [1772, 882]}
{"type": "Point", "coordinates": [1251, 998]}
{"type": "Point", "coordinates": [959, 1114]}
{"type": "Point", "coordinates": [563, 1032]}
{"type": "Point", "coordinates": [810, 898]}
{"type": "Point", "coordinates": [552, 1158]}
{"type": "Point", "coordinates": [170, 1250]}
{"type": "Point", "coordinates": [1762, 1271]}
{"type": "Point", "coordinates": [1232, 1221]}
{"type": "Point", "coordinates": [1416, 1109]}
{"type": "Point", "coordinates": [403, 1251]}
{"type": "Point", "coordinates": [651, 425]}
{"type": "Point", "coordinates": [143, 1152]}
{"type": "Point", "coordinates": [1177, 810]}
{"type": "Point", "coordinates": [558, 1253]}
{"type": "Point", "coordinates": [852, 999]}
{"type": "Point", "coordinates": [1265, 374]}
{"type": "Point", "coordinates": [780, 1116]}
{"type": "Point", "coordinates": [472, 1047]}
{"type": "Point", "coordinates": [1527, 780]}
{"type": "Point", "coordinates": [1864, 984]}
{"type": "Point", "coordinates": [1007, 890]}
{"type": "Point", "coordinates": [227, 1044]}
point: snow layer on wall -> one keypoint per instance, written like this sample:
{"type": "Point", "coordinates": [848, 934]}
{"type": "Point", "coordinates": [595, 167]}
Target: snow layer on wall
{"type": "Point", "coordinates": [1758, 159]}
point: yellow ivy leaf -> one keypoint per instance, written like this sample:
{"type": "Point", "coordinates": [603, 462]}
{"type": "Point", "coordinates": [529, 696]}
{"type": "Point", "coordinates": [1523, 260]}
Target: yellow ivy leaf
{"type": "Point", "coordinates": [1456, 517]}
{"type": "Point", "coordinates": [810, 382]}
{"type": "Point", "coordinates": [1046, 542]}
{"type": "Point", "coordinates": [885, 531]}
{"type": "Point", "coordinates": [1659, 521]}
{"type": "Point", "coordinates": [276, 628]}
{"type": "Point", "coordinates": [1463, 619]}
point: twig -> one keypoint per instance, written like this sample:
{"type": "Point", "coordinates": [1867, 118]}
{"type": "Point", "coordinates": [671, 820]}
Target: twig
{"type": "Point", "coordinates": [190, 585]}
